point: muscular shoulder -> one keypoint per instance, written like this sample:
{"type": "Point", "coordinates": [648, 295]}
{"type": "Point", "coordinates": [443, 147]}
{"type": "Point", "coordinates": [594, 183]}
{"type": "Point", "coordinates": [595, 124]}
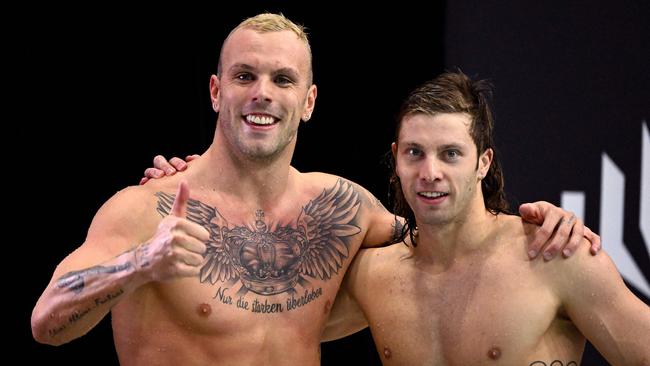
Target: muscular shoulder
{"type": "Point", "coordinates": [374, 266]}
{"type": "Point", "coordinates": [129, 213]}
{"type": "Point", "coordinates": [580, 272]}
{"type": "Point", "coordinates": [380, 226]}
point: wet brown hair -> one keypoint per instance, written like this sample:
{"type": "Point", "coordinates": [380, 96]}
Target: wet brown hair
{"type": "Point", "coordinates": [452, 92]}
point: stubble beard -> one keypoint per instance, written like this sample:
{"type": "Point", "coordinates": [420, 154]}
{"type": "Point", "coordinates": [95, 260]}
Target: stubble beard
{"type": "Point", "coordinates": [264, 151]}
{"type": "Point", "coordinates": [455, 212]}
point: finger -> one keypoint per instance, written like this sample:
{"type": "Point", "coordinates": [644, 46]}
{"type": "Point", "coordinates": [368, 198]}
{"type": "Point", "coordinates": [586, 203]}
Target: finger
{"type": "Point", "coordinates": [178, 164]}
{"type": "Point", "coordinates": [530, 212]}
{"type": "Point", "coordinates": [191, 157]}
{"type": "Point", "coordinates": [189, 243]}
{"type": "Point", "coordinates": [179, 208]}
{"type": "Point", "coordinates": [153, 173]}
{"type": "Point", "coordinates": [544, 232]}
{"type": "Point", "coordinates": [184, 270]}
{"type": "Point", "coordinates": [574, 243]}
{"type": "Point", "coordinates": [161, 163]}
{"type": "Point", "coordinates": [197, 231]}
{"type": "Point", "coordinates": [143, 180]}
{"type": "Point", "coordinates": [596, 244]}
{"type": "Point", "coordinates": [192, 259]}
{"type": "Point", "coordinates": [561, 237]}
{"type": "Point", "coordinates": [577, 228]}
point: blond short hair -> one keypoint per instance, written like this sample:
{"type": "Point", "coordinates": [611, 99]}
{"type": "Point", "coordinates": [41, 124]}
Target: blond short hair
{"type": "Point", "coordinates": [270, 22]}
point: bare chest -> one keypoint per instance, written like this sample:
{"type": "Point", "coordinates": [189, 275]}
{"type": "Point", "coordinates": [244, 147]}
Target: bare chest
{"type": "Point", "coordinates": [474, 316]}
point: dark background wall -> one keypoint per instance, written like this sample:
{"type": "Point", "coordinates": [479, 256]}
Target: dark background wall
{"type": "Point", "coordinates": [101, 93]}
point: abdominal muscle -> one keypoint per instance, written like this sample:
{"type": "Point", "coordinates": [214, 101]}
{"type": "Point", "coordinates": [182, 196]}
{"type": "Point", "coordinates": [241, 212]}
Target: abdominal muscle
{"type": "Point", "coordinates": [156, 326]}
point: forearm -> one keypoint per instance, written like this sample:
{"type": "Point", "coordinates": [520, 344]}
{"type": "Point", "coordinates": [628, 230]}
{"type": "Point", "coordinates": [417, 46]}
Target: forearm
{"type": "Point", "coordinates": [342, 328]}
{"type": "Point", "coordinates": [345, 318]}
{"type": "Point", "coordinates": [386, 230]}
{"type": "Point", "coordinates": [74, 303]}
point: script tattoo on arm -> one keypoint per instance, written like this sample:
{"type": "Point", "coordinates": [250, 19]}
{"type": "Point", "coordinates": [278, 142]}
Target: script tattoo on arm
{"type": "Point", "coordinates": [75, 280]}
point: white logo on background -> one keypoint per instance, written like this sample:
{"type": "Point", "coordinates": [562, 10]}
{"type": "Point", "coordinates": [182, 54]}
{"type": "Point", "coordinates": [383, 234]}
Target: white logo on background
{"type": "Point", "coordinates": [612, 213]}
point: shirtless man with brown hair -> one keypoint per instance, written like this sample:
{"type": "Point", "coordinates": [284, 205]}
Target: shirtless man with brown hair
{"type": "Point", "coordinates": [465, 292]}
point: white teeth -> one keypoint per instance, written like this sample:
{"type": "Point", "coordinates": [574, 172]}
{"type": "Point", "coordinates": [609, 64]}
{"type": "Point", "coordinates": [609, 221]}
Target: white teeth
{"type": "Point", "coordinates": [432, 194]}
{"type": "Point", "coordinates": [259, 120]}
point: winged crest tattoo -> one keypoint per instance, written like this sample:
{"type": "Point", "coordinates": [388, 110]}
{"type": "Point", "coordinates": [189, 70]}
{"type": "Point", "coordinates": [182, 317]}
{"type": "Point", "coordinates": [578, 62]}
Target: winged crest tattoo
{"type": "Point", "coordinates": [270, 258]}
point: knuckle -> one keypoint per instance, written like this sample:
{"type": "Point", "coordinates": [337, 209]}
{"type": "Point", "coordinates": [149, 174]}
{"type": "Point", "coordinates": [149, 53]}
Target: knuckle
{"type": "Point", "coordinates": [563, 231]}
{"type": "Point", "coordinates": [544, 231]}
{"type": "Point", "coordinates": [553, 246]}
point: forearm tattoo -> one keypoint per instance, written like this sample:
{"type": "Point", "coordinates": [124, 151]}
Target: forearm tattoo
{"type": "Point", "coordinates": [264, 258]}
{"type": "Point", "coordinates": [80, 314]}
{"type": "Point", "coordinates": [75, 280]}
{"type": "Point", "coordinates": [141, 256]}
{"type": "Point", "coordinates": [398, 228]}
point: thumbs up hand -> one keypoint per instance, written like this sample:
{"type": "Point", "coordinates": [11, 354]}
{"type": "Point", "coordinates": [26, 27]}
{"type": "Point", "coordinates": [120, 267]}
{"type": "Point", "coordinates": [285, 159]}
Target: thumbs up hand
{"type": "Point", "coordinates": [176, 249]}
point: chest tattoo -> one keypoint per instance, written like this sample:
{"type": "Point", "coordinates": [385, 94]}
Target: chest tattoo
{"type": "Point", "coordinates": [269, 258]}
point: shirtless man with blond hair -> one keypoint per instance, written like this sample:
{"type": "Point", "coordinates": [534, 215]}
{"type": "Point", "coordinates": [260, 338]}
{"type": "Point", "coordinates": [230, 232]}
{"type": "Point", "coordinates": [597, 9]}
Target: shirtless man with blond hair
{"type": "Point", "coordinates": [241, 265]}
{"type": "Point", "coordinates": [465, 292]}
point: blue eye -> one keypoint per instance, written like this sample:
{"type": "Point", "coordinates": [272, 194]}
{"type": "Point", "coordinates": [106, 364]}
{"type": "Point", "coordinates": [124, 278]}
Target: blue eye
{"type": "Point", "coordinates": [283, 80]}
{"type": "Point", "coordinates": [413, 151]}
{"type": "Point", "coordinates": [452, 154]}
{"type": "Point", "coordinates": [244, 76]}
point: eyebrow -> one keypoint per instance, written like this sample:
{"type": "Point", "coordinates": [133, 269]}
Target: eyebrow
{"type": "Point", "coordinates": [411, 144]}
{"type": "Point", "coordinates": [451, 146]}
{"type": "Point", "coordinates": [439, 148]}
{"type": "Point", "coordinates": [241, 66]}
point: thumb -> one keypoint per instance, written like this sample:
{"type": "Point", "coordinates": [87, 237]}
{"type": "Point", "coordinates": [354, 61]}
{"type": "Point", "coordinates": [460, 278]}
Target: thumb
{"type": "Point", "coordinates": [179, 208]}
{"type": "Point", "coordinates": [531, 213]}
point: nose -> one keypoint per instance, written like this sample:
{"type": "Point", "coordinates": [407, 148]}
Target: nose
{"type": "Point", "coordinates": [262, 90]}
{"type": "Point", "coordinates": [430, 170]}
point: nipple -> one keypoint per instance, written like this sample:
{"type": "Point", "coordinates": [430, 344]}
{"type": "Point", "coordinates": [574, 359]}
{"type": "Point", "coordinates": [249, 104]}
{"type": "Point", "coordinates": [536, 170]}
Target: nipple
{"type": "Point", "coordinates": [494, 353]}
{"type": "Point", "coordinates": [387, 352]}
{"type": "Point", "coordinates": [204, 310]}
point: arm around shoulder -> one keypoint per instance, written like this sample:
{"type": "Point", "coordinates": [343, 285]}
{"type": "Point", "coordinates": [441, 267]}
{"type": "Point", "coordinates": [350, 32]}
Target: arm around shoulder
{"type": "Point", "coordinates": [346, 317]}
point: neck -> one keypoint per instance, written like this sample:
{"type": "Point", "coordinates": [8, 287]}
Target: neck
{"type": "Point", "coordinates": [252, 182]}
{"type": "Point", "coordinates": [445, 243]}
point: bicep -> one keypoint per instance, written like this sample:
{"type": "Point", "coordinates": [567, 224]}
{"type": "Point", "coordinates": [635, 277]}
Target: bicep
{"type": "Point", "coordinates": [605, 310]}
{"type": "Point", "coordinates": [384, 228]}
{"type": "Point", "coordinates": [113, 231]}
